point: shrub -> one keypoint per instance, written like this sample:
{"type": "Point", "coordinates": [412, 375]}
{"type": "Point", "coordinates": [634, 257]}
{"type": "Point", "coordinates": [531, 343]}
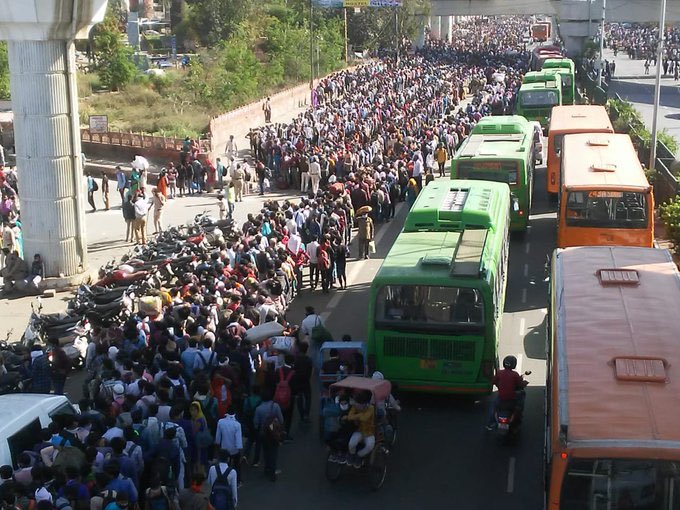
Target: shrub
{"type": "Point", "coordinates": [670, 215]}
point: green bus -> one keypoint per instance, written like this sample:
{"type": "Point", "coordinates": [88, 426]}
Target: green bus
{"type": "Point", "coordinates": [437, 302]}
{"type": "Point", "coordinates": [535, 99]}
{"type": "Point", "coordinates": [501, 148]}
{"type": "Point", "coordinates": [565, 67]}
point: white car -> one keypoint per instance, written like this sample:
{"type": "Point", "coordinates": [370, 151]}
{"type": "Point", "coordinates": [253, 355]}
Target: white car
{"type": "Point", "coordinates": [24, 415]}
{"type": "Point", "coordinates": [538, 142]}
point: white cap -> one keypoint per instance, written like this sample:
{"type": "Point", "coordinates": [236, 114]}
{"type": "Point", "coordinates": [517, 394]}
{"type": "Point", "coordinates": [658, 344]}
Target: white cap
{"type": "Point", "coordinates": [118, 389]}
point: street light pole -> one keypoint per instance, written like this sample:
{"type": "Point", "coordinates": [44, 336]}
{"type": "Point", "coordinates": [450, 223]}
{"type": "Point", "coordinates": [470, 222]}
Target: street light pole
{"type": "Point", "coordinates": [311, 44]}
{"type": "Point", "coordinates": [599, 71]}
{"type": "Point", "coordinates": [657, 87]}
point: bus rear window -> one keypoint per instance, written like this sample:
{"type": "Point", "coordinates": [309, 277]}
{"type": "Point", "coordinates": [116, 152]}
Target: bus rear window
{"type": "Point", "coordinates": [498, 171]}
{"type": "Point", "coordinates": [425, 307]}
{"type": "Point", "coordinates": [606, 209]}
{"type": "Point", "coordinates": [612, 484]}
{"type": "Point", "coordinates": [538, 98]}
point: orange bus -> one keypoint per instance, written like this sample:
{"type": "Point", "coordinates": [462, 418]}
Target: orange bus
{"type": "Point", "coordinates": [567, 120]}
{"type": "Point", "coordinates": [605, 198]}
{"type": "Point", "coordinates": [613, 386]}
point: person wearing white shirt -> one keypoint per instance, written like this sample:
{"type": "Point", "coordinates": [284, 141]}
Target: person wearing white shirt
{"type": "Point", "coordinates": [223, 467]}
{"type": "Point", "coordinates": [312, 249]}
{"type": "Point", "coordinates": [311, 320]}
{"type": "Point", "coordinates": [418, 169]}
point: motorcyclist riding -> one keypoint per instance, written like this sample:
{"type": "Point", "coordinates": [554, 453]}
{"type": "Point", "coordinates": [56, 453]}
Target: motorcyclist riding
{"type": "Point", "coordinates": [510, 389]}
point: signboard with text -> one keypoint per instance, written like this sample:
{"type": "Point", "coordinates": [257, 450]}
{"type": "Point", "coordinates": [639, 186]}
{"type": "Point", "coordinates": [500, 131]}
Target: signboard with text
{"type": "Point", "coordinates": [336, 4]}
{"type": "Point", "coordinates": [99, 124]}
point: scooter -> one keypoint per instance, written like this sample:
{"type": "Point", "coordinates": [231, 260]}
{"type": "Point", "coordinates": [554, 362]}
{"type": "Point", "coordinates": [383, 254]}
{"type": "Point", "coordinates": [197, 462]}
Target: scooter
{"type": "Point", "coordinates": [509, 415]}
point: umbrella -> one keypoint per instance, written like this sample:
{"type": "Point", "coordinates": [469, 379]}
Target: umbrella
{"type": "Point", "coordinates": [364, 210]}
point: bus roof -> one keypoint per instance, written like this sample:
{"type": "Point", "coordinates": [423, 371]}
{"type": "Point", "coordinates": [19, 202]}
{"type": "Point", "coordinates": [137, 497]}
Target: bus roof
{"type": "Point", "coordinates": [580, 119]}
{"type": "Point", "coordinates": [596, 160]}
{"type": "Point", "coordinates": [455, 205]}
{"type": "Point", "coordinates": [559, 63]}
{"type": "Point", "coordinates": [502, 125]}
{"type": "Point", "coordinates": [435, 258]}
{"type": "Point", "coordinates": [544, 85]}
{"type": "Point", "coordinates": [616, 309]}
{"type": "Point", "coordinates": [540, 76]}
{"type": "Point", "coordinates": [494, 147]}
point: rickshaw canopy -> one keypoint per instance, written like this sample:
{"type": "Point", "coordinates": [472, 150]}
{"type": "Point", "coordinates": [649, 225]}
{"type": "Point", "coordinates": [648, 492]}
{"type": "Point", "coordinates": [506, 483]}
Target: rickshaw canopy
{"type": "Point", "coordinates": [380, 388]}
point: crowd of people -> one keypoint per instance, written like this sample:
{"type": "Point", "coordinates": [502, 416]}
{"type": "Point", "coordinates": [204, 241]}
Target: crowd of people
{"type": "Point", "coordinates": [639, 41]}
{"type": "Point", "coordinates": [186, 393]}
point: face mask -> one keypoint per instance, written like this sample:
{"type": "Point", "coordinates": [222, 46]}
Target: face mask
{"type": "Point", "coordinates": [344, 407]}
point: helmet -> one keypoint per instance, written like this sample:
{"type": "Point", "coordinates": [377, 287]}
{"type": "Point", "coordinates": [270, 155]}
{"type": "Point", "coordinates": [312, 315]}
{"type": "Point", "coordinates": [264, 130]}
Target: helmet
{"type": "Point", "coordinates": [378, 375]}
{"type": "Point", "coordinates": [510, 362]}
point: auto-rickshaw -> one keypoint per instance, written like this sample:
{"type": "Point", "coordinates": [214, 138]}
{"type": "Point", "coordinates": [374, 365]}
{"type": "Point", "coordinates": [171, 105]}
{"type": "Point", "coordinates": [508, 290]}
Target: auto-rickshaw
{"type": "Point", "coordinates": [375, 463]}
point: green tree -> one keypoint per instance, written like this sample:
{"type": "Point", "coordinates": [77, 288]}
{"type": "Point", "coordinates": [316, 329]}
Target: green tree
{"type": "Point", "coordinates": [215, 20]}
{"type": "Point", "coordinates": [4, 71]}
{"type": "Point", "coordinates": [113, 59]}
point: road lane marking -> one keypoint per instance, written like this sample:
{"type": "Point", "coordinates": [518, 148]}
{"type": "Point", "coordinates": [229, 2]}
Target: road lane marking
{"type": "Point", "coordinates": [334, 301]}
{"type": "Point", "coordinates": [526, 270]}
{"type": "Point", "coordinates": [522, 324]}
{"type": "Point", "coordinates": [527, 248]}
{"type": "Point", "coordinates": [511, 475]}
{"type": "Point", "coordinates": [524, 296]}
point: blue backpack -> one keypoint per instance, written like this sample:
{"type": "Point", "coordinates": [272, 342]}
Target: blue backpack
{"type": "Point", "coordinates": [221, 497]}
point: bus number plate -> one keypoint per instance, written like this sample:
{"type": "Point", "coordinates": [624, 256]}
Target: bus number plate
{"type": "Point", "coordinates": [428, 364]}
{"type": "Point", "coordinates": [452, 367]}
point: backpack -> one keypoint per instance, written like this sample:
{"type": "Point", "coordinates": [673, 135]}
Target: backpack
{"type": "Point", "coordinates": [95, 186]}
{"type": "Point", "coordinates": [162, 468]}
{"type": "Point", "coordinates": [220, 495]}
{"type": "Point", "coordinates": [161, 501]}
{"type": "Point", "coordinates": [248, 176]}
{"type": "Point", "coordinates": [206, 407]}
{"type": "Point", "coordinates": [283, 394]}
{"type": "Point", "coordinates": [273, 429]}
{"type": "Point", "coordinates": [108, 496]}
{"type": "Point", "coordinates": [324, 260]}
{"type": "Point", "coordinates": [249, 406]}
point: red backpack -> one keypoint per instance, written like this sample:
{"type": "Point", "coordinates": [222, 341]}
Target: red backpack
{"type": "Point", "coordinates": [283, 394]}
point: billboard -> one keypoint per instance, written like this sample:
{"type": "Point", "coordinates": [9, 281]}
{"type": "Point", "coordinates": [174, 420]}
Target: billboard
{"type": "Point", "coordinates": [357, 3]}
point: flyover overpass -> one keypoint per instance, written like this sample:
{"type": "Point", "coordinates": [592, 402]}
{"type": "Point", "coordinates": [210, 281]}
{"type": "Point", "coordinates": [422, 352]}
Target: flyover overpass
{"type": "Point", "coordinates": [577, 19]}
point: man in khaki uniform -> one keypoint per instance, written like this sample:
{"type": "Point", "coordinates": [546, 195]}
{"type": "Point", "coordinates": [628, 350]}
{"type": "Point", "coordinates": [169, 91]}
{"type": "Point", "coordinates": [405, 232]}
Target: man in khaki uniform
{"type": "Point", "coordinates": [239, 176]}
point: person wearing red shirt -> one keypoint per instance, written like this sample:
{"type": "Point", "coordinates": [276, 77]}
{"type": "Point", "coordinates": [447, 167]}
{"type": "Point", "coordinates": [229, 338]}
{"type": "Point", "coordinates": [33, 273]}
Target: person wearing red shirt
{"type": "Point", "coordinates": [510, 388]}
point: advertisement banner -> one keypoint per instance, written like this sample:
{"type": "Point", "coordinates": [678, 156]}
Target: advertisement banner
{"type": "Point", "coordinates": [336, 4]}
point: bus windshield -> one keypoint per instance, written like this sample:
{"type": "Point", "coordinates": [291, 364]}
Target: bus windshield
{"type": "Point", "coordinates": [606, 209]}
{"type": "Point", "coordinates": [428, 307]}
{"type": "Point", "coordinates": [498, 171]}
{"type": "Point", "coordinates": [538, 98]}
{"type": "Point", "coordinates": [611, 484]}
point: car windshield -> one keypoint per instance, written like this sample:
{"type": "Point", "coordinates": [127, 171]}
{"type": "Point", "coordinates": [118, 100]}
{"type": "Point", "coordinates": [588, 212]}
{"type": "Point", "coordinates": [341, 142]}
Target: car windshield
{"type": "Point", "coordinates": [606, 209]}
{"type": "Point", "coordinates": [613, 484]}
{"type": "Point", "coordinates": [424, 307]}
{"type": "Point", "coordinates": [538, 98]}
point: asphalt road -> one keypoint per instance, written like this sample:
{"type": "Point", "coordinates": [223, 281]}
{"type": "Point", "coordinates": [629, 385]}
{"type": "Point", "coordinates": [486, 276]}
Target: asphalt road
{"type": "Point", "coordinates": [443, 456]}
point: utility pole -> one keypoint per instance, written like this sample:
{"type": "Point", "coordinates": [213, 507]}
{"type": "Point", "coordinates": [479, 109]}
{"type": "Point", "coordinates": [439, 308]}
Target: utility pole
{"type": "Point", "coordinates": [344, 10]}
{"type": "Point", "coordinates": [311, 44]}
{"type": "Point", "coordinates": [396, 30]}
{"type": "Point", "coordinates": [657, 88]}
{"type": "Point", "coordinates": [599, 71]}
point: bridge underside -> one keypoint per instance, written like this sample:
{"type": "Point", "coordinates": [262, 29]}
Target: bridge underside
{"type": "Point", "coordinates": [640, 11]}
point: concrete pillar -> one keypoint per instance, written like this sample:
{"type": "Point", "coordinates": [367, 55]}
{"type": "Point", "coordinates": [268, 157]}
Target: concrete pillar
{"type": "Point", "coordinates": [446, 28]}
{"type": "Point", "coordinates": [47, 129]}
{"type": "Point", "coordinates": [419, 41]}
{"type": "Point", "coordinates": [435, 27]}
{"type": "Point", "coordinates": [47, 134]}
